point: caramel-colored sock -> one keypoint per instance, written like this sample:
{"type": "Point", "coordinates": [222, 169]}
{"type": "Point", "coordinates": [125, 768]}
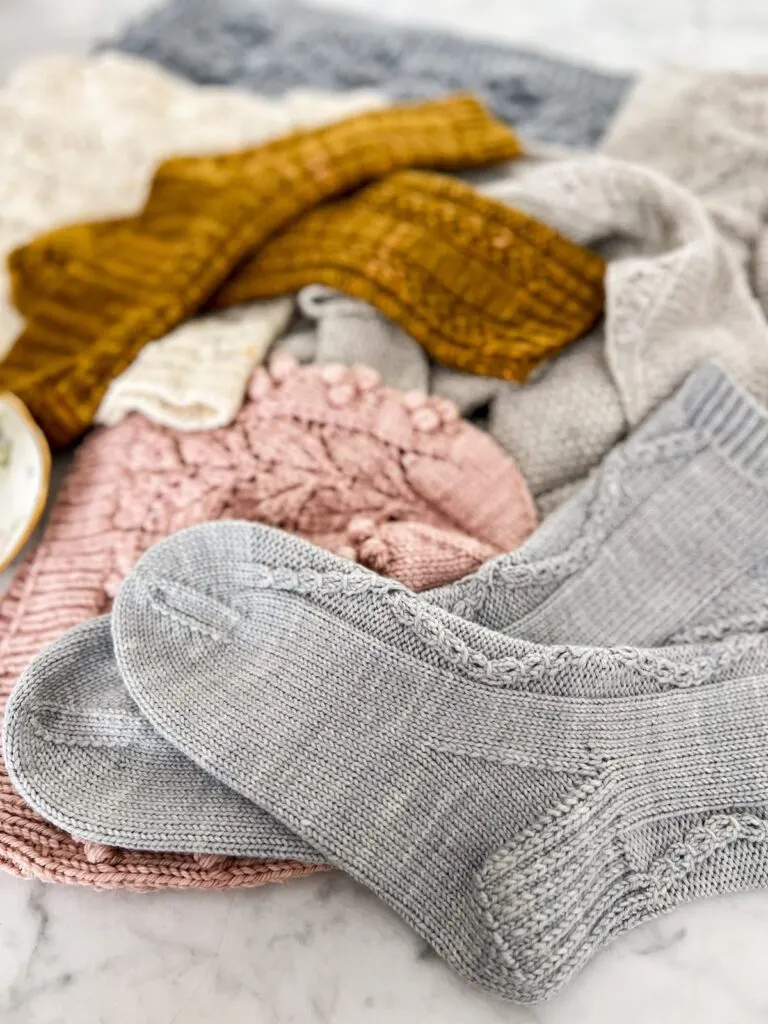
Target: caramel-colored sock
{"type": "Point", "coordinates": [94, 294]}
{"type": "Point", "coordinates": [483, 287]}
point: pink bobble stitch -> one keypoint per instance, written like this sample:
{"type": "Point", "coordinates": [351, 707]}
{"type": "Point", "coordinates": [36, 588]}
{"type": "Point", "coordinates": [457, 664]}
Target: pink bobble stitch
{"type": "Point", "coordinates": [374, 554]}
{"type": "Point", "coordinates": [425, 419]}
{"type": "Point", "coordinates": [448, 410]}
{"type": "Point", "coordinates": [261, 384]}
{"type": "Point", "coordinates": [282, 366]}
{"type": "Point", "coordinates": [360, 528]}
{"type": "Point", "coordinates": [333, 373]}
{"type": "Point", "coordinates": [345, 551]}
{"type": "Point", "coordinates": [366, 378]}
{"type": "Point", "coordinates": [98, 853]}
{"type": "Point", "coordinates": [341, 395]}
{"type": "Point", "coordinates": [414, 399]}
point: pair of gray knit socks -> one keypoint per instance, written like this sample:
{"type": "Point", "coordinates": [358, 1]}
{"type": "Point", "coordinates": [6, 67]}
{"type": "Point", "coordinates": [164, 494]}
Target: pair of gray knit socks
{"type": "Point", "coordinates": [517, 801]}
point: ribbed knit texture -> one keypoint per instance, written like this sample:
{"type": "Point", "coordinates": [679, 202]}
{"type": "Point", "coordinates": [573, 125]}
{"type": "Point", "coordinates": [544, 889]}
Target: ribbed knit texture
{"type": "Point", "coordinates": [90, 301]}
{"type": "Point", "coordinates": [195, 377]}
{"type": "Point", "coordinates": [395, 481]}
{"type": "Point", "coordinates": [482, 287]}
{"type": "Point", "coordinates": [677, 293]}
{"type": "Point", "coordinates": [272, 47]}
{"type": "Point", "coordinates": [492, 791]}
{"type": "Point", "coordinates": [83, 136]}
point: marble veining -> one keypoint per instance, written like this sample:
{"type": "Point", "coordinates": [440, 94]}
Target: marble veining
{"type": "Point", "coordinates": [322, 949]}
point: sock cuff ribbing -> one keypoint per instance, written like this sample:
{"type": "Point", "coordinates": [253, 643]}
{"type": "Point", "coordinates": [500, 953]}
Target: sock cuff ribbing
{"type": "Point", "coordinates": [735, 422]}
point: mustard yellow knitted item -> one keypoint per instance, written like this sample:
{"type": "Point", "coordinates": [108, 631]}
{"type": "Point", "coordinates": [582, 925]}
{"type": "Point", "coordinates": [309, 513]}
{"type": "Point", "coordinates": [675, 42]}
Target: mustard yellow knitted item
{"type": "Point", "coordinates": [483, 287]}
{"type": "Point", "coordinates": [94, 294]}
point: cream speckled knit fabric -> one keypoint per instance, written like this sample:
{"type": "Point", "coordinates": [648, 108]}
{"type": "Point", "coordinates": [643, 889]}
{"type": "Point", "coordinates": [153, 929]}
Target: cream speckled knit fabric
{"type": "Point", "coordinates": [195, 377]}
{"type": "Point", "coordinates": [81, 138]}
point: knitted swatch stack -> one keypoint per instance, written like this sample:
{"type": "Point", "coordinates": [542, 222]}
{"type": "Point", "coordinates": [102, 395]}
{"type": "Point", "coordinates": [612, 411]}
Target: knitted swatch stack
{"type": "Point", "coordinates": [291, 611]}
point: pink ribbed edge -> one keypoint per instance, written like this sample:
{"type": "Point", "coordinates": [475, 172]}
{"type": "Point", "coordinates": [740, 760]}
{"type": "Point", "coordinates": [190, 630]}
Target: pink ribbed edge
{"type": "Point", "coordinates": [396, 481]}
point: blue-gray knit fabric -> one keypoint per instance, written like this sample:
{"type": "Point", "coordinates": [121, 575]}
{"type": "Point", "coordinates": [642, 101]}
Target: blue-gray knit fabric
{"type": "Point", "coordinates": [272, 47]}
{"type": "Point", "coordinates": [519, 804]}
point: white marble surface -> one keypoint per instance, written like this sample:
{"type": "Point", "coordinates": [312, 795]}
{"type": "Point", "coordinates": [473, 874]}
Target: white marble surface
{"type": "Point", "coordinates": [322, 949]}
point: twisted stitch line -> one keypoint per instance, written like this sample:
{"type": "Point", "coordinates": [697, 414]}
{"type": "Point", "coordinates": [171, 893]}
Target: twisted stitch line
{"type": "Point", "coordinates": [701, 843]}
{"type": "Point", "coordinates": [539, 664]}
{"type": "Point", "coordinates": [601, 519]}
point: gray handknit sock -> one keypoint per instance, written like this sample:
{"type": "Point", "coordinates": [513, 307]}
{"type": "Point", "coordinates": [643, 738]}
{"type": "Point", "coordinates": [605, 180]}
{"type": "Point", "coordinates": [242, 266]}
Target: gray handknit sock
{"type": "Point", "coordinates": [86, 729]}
{"type": "Point", "coordinates": [666, 533]}
{"type": "Point", "coordinates": [274, 47]}
{"type": "Point", "coordinates": [593, 570]}
{"type": "Point", "coordinates": [496, 793]}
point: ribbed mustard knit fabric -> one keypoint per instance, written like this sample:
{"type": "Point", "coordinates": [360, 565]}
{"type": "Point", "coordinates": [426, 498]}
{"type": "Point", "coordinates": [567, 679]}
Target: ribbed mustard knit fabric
{"type": "Point", "coordinates": [94, 294]}
{"type": "Point", "coordinates": [483, 287]}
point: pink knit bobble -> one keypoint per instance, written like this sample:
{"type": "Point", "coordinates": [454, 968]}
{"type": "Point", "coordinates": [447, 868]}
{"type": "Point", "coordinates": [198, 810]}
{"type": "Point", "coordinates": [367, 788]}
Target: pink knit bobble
{"type": "Point", "coordinates": [448, 410]}
{"type": "Point", "coordinates": [282, 366]}
{"type": "Point", "coordinates": [366, 378]}
{"type": "Point", "coordinates": [98, 853]}
{"type": "Point", "coordinates": [261, 384]}
{"type": "Point", "coordinates": [426, 419]}
{"type": "Point", "coordinates": [341, 395]}
{"type": "Point", "coordinates": [360, 528]}
{"type": "Point", "coordinates": [414, 399]}
{"type": "Point", "coordinates": [333, 373]}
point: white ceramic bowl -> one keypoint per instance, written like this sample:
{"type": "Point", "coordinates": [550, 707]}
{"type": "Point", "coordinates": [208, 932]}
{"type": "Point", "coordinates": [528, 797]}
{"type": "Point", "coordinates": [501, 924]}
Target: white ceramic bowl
{"type": "Point", "coordinates": [25, 473]}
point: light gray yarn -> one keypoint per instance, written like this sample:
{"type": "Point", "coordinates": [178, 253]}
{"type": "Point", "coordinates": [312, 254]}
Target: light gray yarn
{"type": "Point", "coordinates": [654, 545]}
{"type": "Point", "coordinates": [349, 331]}
{"type": "Point", "coordinates": [492, 791]}
{"type": "Point", "coordinates": [337, 329]}
{"type": "Point", "coordinates": [274, 47]}
{"type": "Point", "coordinates": [92, 716]}
{"type": "Point", "coordinates": [82, 754]}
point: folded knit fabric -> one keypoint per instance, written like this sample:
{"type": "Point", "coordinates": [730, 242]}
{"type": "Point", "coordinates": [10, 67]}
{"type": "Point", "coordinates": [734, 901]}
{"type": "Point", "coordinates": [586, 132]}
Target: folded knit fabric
{"type": "Point", "coordinates": [350, 331]}
{"type": "Point", "coordinates": [481, 286]}
{"type": "Point", "coordinates": [339, 329]}
{"type": "Point", "coordinates": [706, 130]}
{"type": "Point", "coordinates": [675, 296]}
{"type": "Point", "coordinates": [272, 47]}
{"type": "Point", "coordinates": [82, 138]}
{"type": "Point", "coordinates": [395, 481]}
{"type": "Point", "coordinates": [92, 303]}
{"type": "Point", "coordinates": [667, 541]}
{"type": "Point", "coordinates": [196, 376]}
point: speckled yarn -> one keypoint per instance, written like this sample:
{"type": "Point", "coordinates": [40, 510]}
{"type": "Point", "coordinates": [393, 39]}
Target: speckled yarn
{"type": "Point", "coordinates": [395, 480]}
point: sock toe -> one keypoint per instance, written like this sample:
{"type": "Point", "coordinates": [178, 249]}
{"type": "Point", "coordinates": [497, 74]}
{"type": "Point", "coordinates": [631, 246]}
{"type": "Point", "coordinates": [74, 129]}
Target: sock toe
{"type": "Point", "coordinates": [81, 754]}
